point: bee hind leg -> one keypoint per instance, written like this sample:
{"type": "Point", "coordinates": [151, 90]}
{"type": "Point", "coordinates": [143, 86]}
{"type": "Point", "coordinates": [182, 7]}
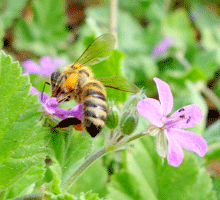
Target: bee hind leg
{"type": "Point", "coordinates": [72, 121]}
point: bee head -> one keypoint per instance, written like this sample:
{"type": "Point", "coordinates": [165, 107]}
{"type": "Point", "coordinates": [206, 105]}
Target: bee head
{"type": "Point", "coordinates": [54, 78]}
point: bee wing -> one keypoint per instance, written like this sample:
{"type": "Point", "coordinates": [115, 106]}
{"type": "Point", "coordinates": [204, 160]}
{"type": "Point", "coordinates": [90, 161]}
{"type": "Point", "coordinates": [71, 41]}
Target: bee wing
{"type": "Point", "coordinates": [119, 83]}
{"type": "Point", "coordinates": [98, 51]}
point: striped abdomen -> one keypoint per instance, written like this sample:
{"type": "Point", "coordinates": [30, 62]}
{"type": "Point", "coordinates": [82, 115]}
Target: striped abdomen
{"type": "Point", "coordinates": [94, 106]}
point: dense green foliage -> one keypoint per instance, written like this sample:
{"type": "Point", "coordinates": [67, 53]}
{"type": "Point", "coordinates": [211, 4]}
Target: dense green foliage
{"type": "Point", "coordinates": [36, 160]}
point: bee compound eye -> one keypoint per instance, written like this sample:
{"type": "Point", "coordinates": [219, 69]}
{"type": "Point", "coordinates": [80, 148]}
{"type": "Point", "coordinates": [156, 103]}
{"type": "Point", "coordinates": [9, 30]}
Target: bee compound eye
{"type": "Point", "coordinates": [54, 76]}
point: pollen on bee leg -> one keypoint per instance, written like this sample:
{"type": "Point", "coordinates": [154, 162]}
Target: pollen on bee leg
{"type": "Point", "coordinates": [71, 81]}
{"type": "Point", "coordinates": [78, 127]}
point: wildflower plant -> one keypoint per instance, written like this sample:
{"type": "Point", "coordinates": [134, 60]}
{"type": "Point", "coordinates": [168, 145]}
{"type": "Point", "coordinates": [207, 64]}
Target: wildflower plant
{"type": "Point", "coordinates": [179, 44]}
{"type": "Point", "coordinates": [168, 130]}
{"type": "Point", "coordinates": [62, 157]}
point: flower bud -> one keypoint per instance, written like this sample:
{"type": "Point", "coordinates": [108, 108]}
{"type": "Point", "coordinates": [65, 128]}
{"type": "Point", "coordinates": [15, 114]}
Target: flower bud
{"type": "Point", "coordinates": [153, 130]}
{"type": "Point", "coordinates": [133, 100]}
{"type": "Point", "coordinates": [128, 123]}
{"type": "Point", "coordinates": [112, 116]}
{"type": "Point", "coordinates": [161, 144]}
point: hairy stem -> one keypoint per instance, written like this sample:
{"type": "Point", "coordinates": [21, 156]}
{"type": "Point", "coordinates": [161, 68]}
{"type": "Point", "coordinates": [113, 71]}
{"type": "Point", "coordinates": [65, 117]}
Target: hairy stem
{"type": "Point", "coordinates": [136, 136]}
{"type": "Point", "coordinates": [36, 196]}
{"type": "Point", "coordinates": [113, 19]}
{"type": "Point", "coordinates": [102, 151]}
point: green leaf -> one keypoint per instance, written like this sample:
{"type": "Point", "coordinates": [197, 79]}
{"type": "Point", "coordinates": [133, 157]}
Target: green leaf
{"type": "Point", "coordinates": [88, 196]}
{"type": "Point", "coordinates": [45, 33]}
{"type": "Point", "coordinates": [206, 62]}
{"type": "Point", "coordinates": [212, 133]}
{"type": "Point", "coordinates": [208, 25]}
{"type": "Point", "coordinates": [216, 182]}
{"type": "Point", "coordinates": [131, 42]}
{"type": "Point", "coordinates": [108, 68]}
{"type": "Point", "coordinates": [68, 151]}
{"type": "Point", "coordinates": [139, 69]}
{"type": "Point", "coordinates": [12, 10]}
{"type": "Point", "coordinates": [124, 186]}
{"type": "Point", "coordinates": [94, 178]}
{"type": "Point", "coordinates": [177, 25]}
{"type": "Point", "coordinates": [194, 74]}
{"type": "Point", "coordinates": [1, 34]}
{"type": "Point", "coordinates": [22, 140]}
{"type": "Point", "coordinates": [147, 178]}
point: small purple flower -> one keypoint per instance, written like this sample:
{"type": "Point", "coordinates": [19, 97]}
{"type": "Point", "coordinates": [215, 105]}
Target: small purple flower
{"type": "Point", "coordinates": [168, 130]}
{"type": "Point", "coordinates": [46, 66]}
{"type": "Point", "coordinates": [162, 46]}
{"type": "Point", "coordinates": [50, 106]}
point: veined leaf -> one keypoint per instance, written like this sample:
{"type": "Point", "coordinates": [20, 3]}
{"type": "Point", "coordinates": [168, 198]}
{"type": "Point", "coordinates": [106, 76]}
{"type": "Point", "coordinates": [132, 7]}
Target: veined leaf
{"type": "Point", "coordinates": [149, 178]}
{"type": "Point", "coordinates": [68, 151]}
{"type": "Point", "coordinates": [22, 140]}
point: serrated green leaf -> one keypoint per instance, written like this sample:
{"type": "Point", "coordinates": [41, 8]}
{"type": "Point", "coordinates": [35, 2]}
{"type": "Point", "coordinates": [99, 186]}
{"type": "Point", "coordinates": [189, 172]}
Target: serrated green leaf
{"type": "Point", "coordinates": [88, 196]}
{"type": "Point", "coordinates": [68, 151]}
{"type": "Point", "coordinates": [22, 140]}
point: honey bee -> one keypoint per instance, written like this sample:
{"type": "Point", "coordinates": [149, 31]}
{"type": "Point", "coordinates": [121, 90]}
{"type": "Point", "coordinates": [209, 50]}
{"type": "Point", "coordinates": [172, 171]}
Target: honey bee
{"type": "Point", "coordinates": [76, 81]}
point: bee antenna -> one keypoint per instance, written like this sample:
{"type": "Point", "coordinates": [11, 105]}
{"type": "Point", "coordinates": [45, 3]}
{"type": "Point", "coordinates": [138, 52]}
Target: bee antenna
{"type": "Point", "coordinates": [43, 90]}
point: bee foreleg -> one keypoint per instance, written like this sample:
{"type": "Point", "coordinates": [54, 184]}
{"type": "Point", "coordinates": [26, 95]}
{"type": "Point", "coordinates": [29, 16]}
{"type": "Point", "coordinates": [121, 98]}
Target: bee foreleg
{"type": "Point", "coordinates": [43, 89]}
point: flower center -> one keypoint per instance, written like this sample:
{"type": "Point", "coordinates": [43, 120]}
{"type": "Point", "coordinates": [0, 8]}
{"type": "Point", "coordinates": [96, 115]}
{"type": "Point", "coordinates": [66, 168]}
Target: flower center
{"type": "Point", "coordinates": [181, 117]}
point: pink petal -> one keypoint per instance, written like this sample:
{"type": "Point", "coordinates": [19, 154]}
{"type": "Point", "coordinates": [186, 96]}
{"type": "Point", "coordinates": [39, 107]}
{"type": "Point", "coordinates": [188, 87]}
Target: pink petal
{"type": "Point", "coordinates": [162, 46]}
{"type": "Point", "coordinates": [189, 140]}
{"type": "Point", "coordinates": [151, 110]}
{"type": "Point", "coordinates": [59, 62]}
{"type": "Point", "coordinates": [45, 61]}
{"type": "Point", "coordinates": [76, 111]}
{"type": "Point", "coordinates": [31, 67]}
{"type": "Point", "coordinates": [175, 153]}
{"type": "Point", "coordinates": [47, 66]}
{"type": "Point", "coordinates": [51, 105]}
{"type": "Point", "coordinates": [192, 113]}
{"type": "Point", "coordinates": [165, 96]}
{"type": "Point", "coordinates": [61, 113]}
{"type": "Point", "coordinates": [33, 90]}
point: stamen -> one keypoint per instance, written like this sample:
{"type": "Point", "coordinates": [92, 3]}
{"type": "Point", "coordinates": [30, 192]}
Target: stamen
{"type": "Point", "coordinates": [188, 120]}
{"type": "Point", "coordinates": [182, 116]}
{"type": "Point", "coordinates": [181, 109]}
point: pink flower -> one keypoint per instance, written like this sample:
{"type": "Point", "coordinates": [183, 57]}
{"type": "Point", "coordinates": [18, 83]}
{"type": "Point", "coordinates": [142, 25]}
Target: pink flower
{"type": "Point", "coordinates": [50, 106]}
{"type": "Point", "coordinates": [45, 68]}
{"type": "Point", "coordinates": [162, 46]}
{"type": "Point", "coordinates": [170, 136]}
